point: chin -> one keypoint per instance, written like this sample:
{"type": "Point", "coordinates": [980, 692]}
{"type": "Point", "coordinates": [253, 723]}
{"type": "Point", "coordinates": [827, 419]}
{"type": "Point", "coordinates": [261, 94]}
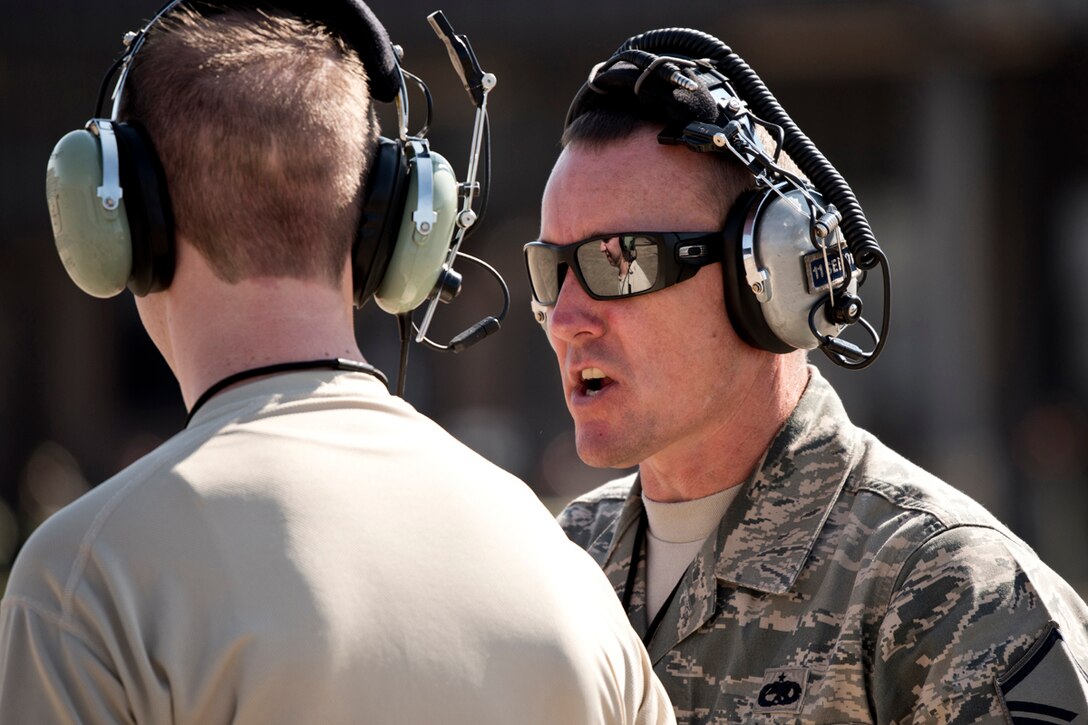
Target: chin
{"type": "Point", "coordinates": [600, 452]}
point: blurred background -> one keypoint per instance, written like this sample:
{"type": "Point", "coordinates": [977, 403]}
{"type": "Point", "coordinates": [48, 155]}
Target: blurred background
{"type": "Point", "coordinates": [960, 125]}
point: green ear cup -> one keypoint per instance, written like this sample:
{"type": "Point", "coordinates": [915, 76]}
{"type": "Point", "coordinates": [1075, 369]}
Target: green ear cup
{"type": "Point", "coordinates": [417, 258]}
{"type": "Point", "coordinates": [94, 242]}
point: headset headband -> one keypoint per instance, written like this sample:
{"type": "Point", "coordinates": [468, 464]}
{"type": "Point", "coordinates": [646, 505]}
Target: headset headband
{"type": "Point", "coordinates": [351, 20]}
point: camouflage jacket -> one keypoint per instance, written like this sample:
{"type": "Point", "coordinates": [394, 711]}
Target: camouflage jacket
{"type": "Point", "coordinates": [846, 585]}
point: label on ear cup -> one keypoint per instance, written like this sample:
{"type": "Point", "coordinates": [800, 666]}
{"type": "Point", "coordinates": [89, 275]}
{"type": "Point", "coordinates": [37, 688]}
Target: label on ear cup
{"type": "Point", "coordinates": [417, 259]}
{"type": "Point", "coordinates": [93, 242]}
{"type": "Point", "coordinates": [797, 272]}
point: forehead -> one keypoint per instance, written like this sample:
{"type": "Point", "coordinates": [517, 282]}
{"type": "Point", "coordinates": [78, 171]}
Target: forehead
{"type": "Point", "coordinates": [633, 184]}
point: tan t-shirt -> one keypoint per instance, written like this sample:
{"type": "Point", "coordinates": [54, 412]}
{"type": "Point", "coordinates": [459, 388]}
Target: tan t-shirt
{"type": "Point", "coordinates": [313, 550]}
{"type": "Point", "coordinates": [675, 533]}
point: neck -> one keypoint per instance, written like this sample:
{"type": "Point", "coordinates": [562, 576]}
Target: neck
{"type": "Point", "coordinates": [726, 455]}
{"type": "Point", "coordinates": [213, 329]}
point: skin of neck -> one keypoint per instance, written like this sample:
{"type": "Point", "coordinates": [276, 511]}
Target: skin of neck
{"type": "Point", "coordinates": [732, 449]}
{"type": "Point", "coordinates": [207, 328]}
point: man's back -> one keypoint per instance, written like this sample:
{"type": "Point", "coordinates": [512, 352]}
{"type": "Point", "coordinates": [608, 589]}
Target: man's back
{"type": "Point", "coordinates": [311, 549]}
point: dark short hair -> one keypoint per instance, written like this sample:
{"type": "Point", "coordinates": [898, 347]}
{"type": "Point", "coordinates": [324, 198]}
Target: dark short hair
{"type": "Point", "coordinates": [599, 127]}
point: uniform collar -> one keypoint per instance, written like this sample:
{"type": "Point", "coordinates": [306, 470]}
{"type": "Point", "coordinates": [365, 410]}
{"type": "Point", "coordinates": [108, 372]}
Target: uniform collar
{"type": "Point", "coordinates": [784, 507]}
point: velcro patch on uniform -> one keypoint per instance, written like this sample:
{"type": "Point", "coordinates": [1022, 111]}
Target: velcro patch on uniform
{"type": "Point", "coordinates": [783, 689]}
{"type": "Point", "coordinates": [1046, 685]}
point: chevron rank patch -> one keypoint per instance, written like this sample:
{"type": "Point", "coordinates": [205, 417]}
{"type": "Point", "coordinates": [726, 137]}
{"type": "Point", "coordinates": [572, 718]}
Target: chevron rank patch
{"type": "Point", "coordinates": [1046, 685]}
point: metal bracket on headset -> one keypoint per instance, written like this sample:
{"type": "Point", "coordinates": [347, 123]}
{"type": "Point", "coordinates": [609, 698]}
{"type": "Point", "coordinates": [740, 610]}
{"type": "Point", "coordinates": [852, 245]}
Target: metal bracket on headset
{"type": "Point", "coordinates": [134, 40]}
{"type": "Point", "coordinates": [757, 278]}
{"type": "Point", "coordinates": [424, 216]}
{"type": "Point", "coordinates": [478, 84]}
{"type": "Point", "coordinates": [110, 192]}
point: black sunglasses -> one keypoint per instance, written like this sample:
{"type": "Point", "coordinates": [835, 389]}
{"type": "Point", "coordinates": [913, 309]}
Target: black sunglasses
{"type": "Point", "coordinates": [626, 264]}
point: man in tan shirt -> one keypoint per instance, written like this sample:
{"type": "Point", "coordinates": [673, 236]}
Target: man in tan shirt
{"type": "Point", "coordinates": [309, 548]}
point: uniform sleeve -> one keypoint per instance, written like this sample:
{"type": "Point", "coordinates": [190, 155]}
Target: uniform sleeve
{"type": "Point", "coordinates": [979, 629]}
{"type": "Point", "coordinates": [49, 673]}
{"type": "Point", "coordinates": [577, 521]}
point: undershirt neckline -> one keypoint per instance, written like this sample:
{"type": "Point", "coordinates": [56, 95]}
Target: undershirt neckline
{"type": "Point", "coordinates": [675, 533]}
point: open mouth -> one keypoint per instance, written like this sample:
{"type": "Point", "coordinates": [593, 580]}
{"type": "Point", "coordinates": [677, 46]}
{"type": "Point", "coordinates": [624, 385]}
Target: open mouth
{"type": "Point", "coordinates": [594, 381]}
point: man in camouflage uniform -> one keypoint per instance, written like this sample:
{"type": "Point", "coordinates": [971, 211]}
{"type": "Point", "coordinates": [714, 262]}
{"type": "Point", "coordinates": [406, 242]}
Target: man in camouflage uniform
{"type": "Point", "coordinates": [835, 582]}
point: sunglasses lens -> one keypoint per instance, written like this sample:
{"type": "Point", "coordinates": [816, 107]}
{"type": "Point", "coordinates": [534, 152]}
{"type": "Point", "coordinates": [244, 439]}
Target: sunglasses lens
{"type": "Point", "coordinates": [619, 266]}
{"type": "Point", "coordinates": [543, 263]}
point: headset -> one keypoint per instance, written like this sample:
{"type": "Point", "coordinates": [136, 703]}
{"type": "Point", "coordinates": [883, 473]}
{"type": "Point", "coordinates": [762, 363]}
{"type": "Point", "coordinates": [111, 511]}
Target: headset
{"type": "Point", "coordinates": [796, 251]}
{"type": "Point", "coordinates": [110, 207]}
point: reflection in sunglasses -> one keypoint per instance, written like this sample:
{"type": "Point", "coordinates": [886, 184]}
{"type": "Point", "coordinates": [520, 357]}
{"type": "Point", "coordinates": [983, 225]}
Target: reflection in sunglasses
{"type": "Point", "coordinates": [620, 265]}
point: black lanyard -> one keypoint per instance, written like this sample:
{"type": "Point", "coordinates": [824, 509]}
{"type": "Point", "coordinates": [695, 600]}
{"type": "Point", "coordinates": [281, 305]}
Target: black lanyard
{"type": "Point", "coordinates": [336, 363]}
{"type": "Point", "coordinates": [632, 572]}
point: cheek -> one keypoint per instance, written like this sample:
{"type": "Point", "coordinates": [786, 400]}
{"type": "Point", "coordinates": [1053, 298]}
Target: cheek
{"type": "Point", "coordinates": [710, 304]}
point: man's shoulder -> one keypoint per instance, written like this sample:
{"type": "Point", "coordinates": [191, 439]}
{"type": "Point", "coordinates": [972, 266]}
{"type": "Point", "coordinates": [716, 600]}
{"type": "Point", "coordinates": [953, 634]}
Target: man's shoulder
{"type": "Point", "coordinates": [58, 550]}
{"type": "Point", "coordinates": [618, 489]}
{"type": "Point", "coordinates": [585, 518]}
{"type": "Point", "coordinates": [909, 488]}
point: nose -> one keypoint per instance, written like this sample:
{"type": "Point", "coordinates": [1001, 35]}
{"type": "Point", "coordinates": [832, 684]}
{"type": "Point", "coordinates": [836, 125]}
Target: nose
{"type": "Point", "coordinates": [575, 314]}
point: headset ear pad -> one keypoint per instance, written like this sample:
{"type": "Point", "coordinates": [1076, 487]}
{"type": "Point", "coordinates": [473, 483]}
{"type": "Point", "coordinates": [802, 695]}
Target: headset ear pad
{"type": "Point", "coordinates": [150, 216]}
{"type": "Point", "coordinates": [745, 311]}
{"type": "Point", "coordinates": [379, 225]}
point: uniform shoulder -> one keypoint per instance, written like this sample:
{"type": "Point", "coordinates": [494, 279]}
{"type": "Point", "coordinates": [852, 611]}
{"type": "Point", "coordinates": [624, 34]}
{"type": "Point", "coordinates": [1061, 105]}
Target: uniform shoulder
{"type": "Point", "coordinates": [617, 489]}
{"type": "Point", "coordinates": [908, 487]}
{"type": "Point", "coordinates": [974, 603]}
{"type": "Point", "coordinates": [585, 518]}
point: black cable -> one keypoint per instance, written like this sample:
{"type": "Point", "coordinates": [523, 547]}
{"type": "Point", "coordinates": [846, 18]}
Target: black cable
{"type": "Point", "coordinates": [404, 326]}
{"type": "Point", "coordinates": [336, 363]}
{"type": "Point", "coordinates": [498, 277]}
{"type": "Point", "coordinates": [489, 322]}
{"type": "Point", "coordinates": [105, 84]}
{"type": "Point", "coordinates": [697, 44]}
{"type": "Point", "coordinates": [868, 358]}
{"type": "Point", "coordinates": [427, 96]}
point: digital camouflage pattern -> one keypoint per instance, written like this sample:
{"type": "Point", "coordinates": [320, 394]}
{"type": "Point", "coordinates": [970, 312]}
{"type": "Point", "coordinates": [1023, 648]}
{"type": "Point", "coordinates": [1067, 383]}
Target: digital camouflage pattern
{"type": "Point", "coordinates": [846, 585]}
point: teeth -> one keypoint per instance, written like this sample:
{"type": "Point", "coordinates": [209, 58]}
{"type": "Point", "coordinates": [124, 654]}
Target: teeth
{"type": "Point", "coordinates": [592, 378]}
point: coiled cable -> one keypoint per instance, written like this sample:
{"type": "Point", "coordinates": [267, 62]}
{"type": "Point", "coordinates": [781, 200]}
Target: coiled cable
{"type": "Point", "coordinates": [697, 44]}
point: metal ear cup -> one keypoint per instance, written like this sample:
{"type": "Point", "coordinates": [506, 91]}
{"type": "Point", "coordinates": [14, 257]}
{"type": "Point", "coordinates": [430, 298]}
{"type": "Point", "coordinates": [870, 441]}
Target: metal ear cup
{"type": "Point", "coordinates": [777, 279]}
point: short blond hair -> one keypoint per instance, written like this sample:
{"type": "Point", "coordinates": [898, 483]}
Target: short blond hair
{"type": "Point", "coordinates": [265, 127]}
